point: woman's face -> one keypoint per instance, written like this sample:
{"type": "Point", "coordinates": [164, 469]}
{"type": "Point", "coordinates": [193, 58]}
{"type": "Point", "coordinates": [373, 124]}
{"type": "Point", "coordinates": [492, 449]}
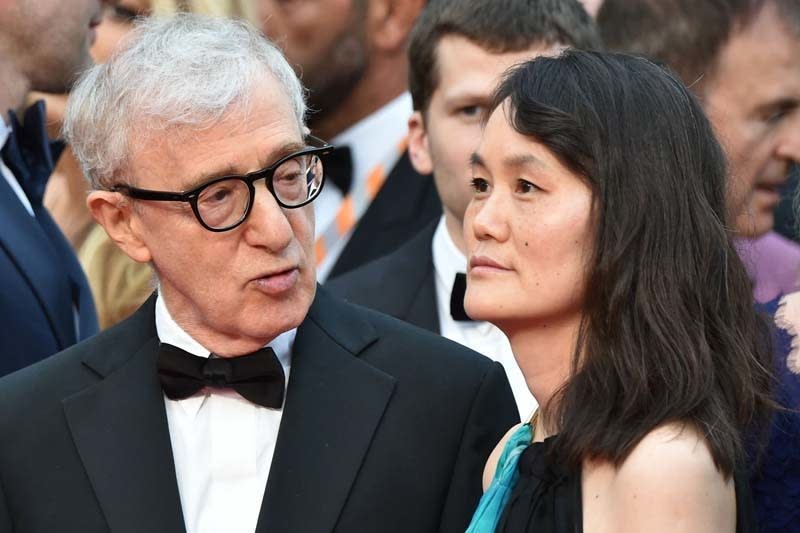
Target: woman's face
{"type": "Point", "coordinates": [528, 233]}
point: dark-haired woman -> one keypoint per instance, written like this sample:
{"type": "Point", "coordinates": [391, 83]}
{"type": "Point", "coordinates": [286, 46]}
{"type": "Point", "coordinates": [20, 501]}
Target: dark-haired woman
{"type": "Point", "coordinates": [597, 242]}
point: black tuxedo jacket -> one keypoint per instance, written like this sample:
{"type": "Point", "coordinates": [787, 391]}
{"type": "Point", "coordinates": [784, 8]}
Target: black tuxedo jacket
{"type": "Point", "coordinates": [386, 429]}
{"type": "Point", "coordinates": [401, 284]}
{"type": "Point", "coordinates": [405, 204]}
{"type": "Point", "coordinates": [41, 282]}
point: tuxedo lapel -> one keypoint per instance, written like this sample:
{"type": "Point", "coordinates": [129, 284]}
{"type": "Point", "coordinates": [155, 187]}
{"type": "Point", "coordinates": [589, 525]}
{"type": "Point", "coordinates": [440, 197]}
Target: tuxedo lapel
{"type": "Point", "coordinates": [81, 293]}
{"type": "Point", "coordinates": [334, 404]}
{"type": "Point", "coordinates": [401, 284]}
{"type": "Point", "coordinates": [120, 429]}
{"type": "Point", "coordinates": [30, 248]}
{"type": "Point", "coordinates": [414, 266]}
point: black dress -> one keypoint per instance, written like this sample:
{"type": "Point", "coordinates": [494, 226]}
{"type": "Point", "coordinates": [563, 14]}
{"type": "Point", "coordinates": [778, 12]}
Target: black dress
{"type": "Point", "coordinates": [547, 497]}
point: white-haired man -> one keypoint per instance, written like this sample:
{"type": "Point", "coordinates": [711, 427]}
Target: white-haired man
{"type": "Point", "coordinates": [176, 420]}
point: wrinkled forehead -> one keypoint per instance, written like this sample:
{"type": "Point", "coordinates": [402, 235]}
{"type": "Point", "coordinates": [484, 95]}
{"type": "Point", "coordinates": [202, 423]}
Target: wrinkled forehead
{"type": "Point", "coordinates": [248, 135]}
{"type": "Point", "coordinates": [757, 68]}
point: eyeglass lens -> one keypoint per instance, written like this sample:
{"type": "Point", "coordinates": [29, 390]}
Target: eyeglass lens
{"type": "Point", "coordinates": [295, 181]}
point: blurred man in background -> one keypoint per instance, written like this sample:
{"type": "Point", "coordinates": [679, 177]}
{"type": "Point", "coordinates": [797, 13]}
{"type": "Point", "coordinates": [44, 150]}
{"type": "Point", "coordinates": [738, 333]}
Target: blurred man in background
{"type": "Point", "coordinates": [351, 55]}
{"type": "Point", "coordinates": [742, 59]}
{"type": "Point", "coordinates": [45, 303]}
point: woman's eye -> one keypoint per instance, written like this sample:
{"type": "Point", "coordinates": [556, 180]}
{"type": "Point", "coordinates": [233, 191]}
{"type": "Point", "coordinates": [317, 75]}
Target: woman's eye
{"type": "Point", "coordinates": [479, 185]}
{"type": "Point", "coordinates": [524, 187]}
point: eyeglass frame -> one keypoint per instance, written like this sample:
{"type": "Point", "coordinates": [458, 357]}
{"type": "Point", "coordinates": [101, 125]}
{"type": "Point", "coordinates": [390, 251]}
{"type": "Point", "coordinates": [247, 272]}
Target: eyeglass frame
{"type": "Point", "coordinates": [191, 196]}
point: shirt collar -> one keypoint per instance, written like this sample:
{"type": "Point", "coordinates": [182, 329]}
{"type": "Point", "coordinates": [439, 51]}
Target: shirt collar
{"type": "Point", "coordinates": [171, 333]}
{"type": "Point", "coordinates": [447, 258]}
{"type": "Point", "coordinates": [5, 131]}
{"type": "Point", "coordinates": [371, 137]}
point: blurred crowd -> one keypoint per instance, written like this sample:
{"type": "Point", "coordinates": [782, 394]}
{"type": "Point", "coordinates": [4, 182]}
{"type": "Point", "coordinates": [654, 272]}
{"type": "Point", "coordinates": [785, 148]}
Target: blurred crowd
{"type": "Point", "coordinates": [679, 265]}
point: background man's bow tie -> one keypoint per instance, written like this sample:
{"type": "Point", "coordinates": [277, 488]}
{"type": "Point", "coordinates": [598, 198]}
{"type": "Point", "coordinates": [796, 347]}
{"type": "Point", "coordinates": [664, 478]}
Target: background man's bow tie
{"type": "Point", "coordinates": [258, 377]}
{"type": "Point", "coordinates": [338, 167]}
{"type": "Point", "coordinates": [29, 153]}
{"type": "Point", "coordinates": [457, 299]}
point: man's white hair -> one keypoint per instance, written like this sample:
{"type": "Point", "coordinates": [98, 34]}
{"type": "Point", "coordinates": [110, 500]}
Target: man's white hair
{"type": "Point", "coordinates": [186, 70]}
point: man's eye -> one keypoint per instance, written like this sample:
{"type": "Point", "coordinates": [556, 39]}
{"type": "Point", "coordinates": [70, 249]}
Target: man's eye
{"type": "Point", "coordinates": [470, 111]}
{"type": "Point", "coordinates": [216, 194]}
{"type": "Point", "coordinates": [777, 116]}
{"type": "Point", "coordinates": [479, 185]}
{"type": "Point", "coordinates": [123, 14]}
{"type": "Point", "coordinates": [780, 112]}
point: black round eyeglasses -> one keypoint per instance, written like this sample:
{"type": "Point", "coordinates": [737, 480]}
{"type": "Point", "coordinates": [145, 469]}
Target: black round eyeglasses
{"type": "Point", "coordinates": [224, 203]}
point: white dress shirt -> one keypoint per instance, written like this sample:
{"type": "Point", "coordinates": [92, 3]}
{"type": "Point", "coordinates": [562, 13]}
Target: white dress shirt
{"type": "Point", "coordinates": [5, 131]}
{"type": "Point", "coordinates": [369, 140]}
{"type": "Point", "coordinates": [482, 337]}
{"type": "Point", "coordinates": [222, 444]}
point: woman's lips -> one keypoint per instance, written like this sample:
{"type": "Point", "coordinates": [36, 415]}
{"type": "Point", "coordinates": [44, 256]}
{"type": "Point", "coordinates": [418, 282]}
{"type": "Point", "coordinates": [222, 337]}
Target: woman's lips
{"type": "Point", "coordinates": [278, 282]}
{"type": "Point", "coordinates": [486, 265]}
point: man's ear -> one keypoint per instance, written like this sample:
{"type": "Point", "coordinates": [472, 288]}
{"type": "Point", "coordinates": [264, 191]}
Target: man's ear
{"type": "Point", "coordinates": [418, 149]}
{"type": "Point", "coordinates": [389, 22]}
{"type": "Point", "coordinates": [115, 213]}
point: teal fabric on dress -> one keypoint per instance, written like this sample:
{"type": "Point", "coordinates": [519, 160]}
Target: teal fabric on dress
{"type": "Point", "coordinates": [494, 500]}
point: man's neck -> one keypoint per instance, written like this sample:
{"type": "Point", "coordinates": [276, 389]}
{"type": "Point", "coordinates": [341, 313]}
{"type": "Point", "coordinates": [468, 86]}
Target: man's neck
{"type": "Point", "coordinates": [378, 87]}
{"type": "Point", "coordinates": [13, 88]}
{"type": "Point", "coordinates": [455, 228]}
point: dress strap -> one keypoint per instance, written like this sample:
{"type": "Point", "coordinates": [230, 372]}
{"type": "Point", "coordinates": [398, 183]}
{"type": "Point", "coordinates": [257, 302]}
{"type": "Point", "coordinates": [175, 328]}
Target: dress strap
{"type": "Point", "coordinates": [505, 478]}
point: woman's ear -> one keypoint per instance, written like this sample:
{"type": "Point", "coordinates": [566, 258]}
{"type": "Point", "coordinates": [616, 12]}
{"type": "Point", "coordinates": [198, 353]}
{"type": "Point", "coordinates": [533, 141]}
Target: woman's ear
{"type": "Point", "coordinates": [418, 149]}
{"type": "Point", "coordinates": [117, 216]}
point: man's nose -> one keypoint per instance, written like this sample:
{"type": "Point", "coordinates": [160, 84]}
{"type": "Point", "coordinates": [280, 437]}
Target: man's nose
{"type": "Point", "coordinates": [268, 225]}
{"type": "Point", "coordinates": [789, 142]}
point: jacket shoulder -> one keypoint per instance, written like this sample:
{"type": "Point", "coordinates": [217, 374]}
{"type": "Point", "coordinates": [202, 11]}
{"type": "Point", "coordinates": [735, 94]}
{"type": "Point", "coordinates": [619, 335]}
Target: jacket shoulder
{"type": "Point", "coordinates": [67, 372]}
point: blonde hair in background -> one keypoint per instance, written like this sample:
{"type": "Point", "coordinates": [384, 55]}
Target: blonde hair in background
{"type": "Point", "coordinates": [240, 9]}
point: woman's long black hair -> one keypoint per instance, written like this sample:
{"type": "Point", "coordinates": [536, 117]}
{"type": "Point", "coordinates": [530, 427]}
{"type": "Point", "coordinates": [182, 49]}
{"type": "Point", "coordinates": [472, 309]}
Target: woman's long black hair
{"type": "Point", "coordinates": [669, 330]}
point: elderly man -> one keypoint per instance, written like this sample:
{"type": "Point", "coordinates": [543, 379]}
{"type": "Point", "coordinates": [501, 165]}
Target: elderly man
{"type": "Point", "coordinates": [175, 420]}
{"type": "Point", "coordinates": [45, 302]}
{"type": "Point", "coordinates": [742, 58]}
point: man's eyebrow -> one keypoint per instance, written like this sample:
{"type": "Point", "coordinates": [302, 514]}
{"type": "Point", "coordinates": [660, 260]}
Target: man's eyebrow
{"type": "Point", "coordinates": [231, 169]}
{"type": "Point", "coordinates": [469, 96]}
{"type": "Point", "coordinates": [782, 105]}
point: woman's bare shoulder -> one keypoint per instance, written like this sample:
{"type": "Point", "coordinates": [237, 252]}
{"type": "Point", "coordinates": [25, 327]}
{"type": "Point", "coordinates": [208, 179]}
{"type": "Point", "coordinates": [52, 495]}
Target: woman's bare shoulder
{"type": "Point", "coordinates": [669, 482]}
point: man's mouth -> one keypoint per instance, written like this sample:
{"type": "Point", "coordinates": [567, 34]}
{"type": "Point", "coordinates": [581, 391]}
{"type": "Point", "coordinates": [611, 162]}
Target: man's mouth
{"type": "Point", "coordinates": [277, 282]}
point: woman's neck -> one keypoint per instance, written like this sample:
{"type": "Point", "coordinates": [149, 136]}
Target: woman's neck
{"type": "Point", "coordinates": [544, 352]}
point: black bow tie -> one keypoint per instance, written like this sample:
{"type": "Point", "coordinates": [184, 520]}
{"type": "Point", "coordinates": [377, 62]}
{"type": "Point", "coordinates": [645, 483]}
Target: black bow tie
{"type": "Point", "coordinates": [457, 299]}
{"type": "Point", "coordinates": [258, 377]}
{"type": "Point", "coordinates": [338, 167]}
{"type": "Point", "coordinates": [29, 153]}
